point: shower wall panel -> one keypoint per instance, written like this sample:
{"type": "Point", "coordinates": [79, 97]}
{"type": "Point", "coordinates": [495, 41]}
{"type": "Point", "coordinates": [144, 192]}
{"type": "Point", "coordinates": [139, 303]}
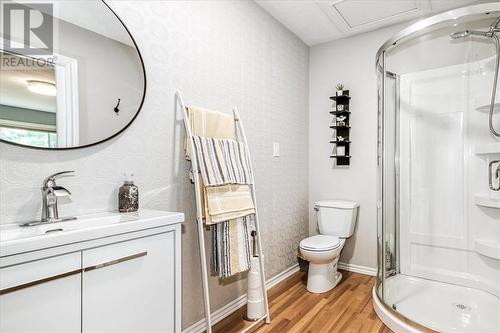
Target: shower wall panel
{"type": "Point", "coordinates": [439, 221]}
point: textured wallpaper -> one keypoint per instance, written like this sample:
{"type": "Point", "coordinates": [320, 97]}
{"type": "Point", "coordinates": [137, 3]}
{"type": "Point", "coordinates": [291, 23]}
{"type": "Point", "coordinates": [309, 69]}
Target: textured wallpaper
{"type": "Point", "coordinates": [219, 54]}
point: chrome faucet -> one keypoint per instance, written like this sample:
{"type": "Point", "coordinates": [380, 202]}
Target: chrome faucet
{"type": "Point", "coordinates": [497, 175]}
{"type": "Point", "coordinates": [50, 193]}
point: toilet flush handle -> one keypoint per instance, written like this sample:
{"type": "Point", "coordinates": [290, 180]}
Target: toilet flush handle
{"type": "Point", "coordinates": [316, 209]}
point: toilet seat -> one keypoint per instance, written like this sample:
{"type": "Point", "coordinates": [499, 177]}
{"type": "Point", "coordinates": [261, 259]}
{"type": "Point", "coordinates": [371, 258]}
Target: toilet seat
{"type": "Point", "coordinates": [320, 243]}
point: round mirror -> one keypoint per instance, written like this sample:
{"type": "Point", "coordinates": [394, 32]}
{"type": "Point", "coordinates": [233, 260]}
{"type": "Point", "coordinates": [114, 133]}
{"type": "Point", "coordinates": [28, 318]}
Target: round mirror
{"type": "Point", "coordinates": [71, 74]}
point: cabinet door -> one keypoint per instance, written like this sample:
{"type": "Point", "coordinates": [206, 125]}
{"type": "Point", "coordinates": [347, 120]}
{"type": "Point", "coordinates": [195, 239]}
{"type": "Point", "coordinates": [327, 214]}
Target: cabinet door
{"type": "Point", "coordinates": [130, 286]}
{"type": "Point", "coordinates": [42, 296]}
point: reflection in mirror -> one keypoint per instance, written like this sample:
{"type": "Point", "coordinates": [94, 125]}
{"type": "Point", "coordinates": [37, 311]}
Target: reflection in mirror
{"type": "Point", "coordinates": [27, 103]}
{"type": "Point", "coordinates": [78, 83]}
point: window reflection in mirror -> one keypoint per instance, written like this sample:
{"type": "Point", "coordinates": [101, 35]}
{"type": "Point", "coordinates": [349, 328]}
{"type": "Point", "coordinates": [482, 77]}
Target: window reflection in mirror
{"type": "Point", "coordinates": [29, 137]}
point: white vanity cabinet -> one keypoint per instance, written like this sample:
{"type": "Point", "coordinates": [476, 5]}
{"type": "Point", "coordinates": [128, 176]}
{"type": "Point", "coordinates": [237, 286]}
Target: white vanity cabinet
{"type": "Point", "coordinates": [123, 277]}
{"type": "Point", "coordinates": [41, 296]}
{"type": "Point", "coordinates": [130, 286]}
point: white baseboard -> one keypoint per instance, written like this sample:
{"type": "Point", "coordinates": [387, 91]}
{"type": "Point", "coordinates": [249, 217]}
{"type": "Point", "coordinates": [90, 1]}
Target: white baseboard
{"type": "Point", "coordinates": [282, 276]}
{"type": "Point", "coordinates": [234, 305]}
{"type": "Point", "coordinates": [358, 269]}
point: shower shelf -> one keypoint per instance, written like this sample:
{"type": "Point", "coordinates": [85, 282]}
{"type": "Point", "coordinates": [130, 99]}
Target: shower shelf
{"type": "Point", "coordinates": [492, 148]}
{"type": "Point", "coordinates": [341, 97]}
{"type": "Point", "coordinates": [488, 248]}
{"type": "Point", "coordinates": [335, 126]}
{"type": "Point", "coordinates": [339, 112]}
{"type": "Point", "coordinates": [485, 200]}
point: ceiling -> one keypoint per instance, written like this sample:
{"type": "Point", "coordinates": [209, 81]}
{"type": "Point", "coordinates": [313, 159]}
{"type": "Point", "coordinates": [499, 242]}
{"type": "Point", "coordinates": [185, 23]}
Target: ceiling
{"type": "Point", "coordinates": [319, 21]}
{"type": "Point", "coordinates": [14, 90]}
{"type": "Point", "coordinates": [93, 15]}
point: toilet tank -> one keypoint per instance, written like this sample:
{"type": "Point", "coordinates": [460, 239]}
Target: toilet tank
{"type": "Point", "coordinates": [336, 217]}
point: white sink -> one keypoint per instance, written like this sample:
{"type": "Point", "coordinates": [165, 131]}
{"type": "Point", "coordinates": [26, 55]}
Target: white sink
{"type": "Point", "coordinates": [91, 221]}
{"type": "Point", "coordinates": [15, 239]}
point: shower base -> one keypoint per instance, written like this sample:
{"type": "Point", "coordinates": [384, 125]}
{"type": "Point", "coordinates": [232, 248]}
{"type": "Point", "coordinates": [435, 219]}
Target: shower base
{"type": "Point", "coordinates": [438, 306]}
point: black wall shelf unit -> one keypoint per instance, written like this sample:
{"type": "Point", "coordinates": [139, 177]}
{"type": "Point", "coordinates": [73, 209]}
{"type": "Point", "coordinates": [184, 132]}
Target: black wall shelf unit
{"type": "Point", "coordinates": [341, 125]}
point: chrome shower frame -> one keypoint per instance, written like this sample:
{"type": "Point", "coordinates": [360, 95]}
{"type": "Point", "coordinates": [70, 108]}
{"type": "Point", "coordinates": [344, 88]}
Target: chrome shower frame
{"type": "Point", "coordinates": [484, 8]}
{"type": "Point", "coordinates": [392, 318]}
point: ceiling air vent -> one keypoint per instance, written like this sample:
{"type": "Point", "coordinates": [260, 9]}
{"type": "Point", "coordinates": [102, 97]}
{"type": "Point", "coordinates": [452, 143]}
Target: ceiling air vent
{"type": "Point", "coordinates": [359, 14]}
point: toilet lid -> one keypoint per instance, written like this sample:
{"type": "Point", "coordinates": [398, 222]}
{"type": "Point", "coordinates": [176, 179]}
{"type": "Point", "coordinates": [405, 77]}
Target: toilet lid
{"type": "Point", "coordinates": [320, 243]}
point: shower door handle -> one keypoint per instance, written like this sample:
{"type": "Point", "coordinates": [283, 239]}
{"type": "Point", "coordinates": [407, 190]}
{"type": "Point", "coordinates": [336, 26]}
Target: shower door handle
{"type": "Point", "coordinates": [497, 175]}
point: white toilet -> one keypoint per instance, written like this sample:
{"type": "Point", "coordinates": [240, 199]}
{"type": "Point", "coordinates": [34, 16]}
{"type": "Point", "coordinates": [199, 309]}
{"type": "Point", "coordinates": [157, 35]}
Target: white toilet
{"type": "Point", "coordinates": [336, 221]}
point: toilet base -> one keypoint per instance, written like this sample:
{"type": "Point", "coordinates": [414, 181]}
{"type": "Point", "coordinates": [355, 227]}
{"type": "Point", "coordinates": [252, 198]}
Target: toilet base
{"type": "Point", "coordinates": [323, 277]}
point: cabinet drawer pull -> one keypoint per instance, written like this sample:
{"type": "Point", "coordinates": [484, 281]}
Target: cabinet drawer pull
{"type": "Point", "coordinates": [37, 282]}
{"type": "Point", "coordinates": [76, 271]}
{"type": "Point", "coordinates": [114, 262]}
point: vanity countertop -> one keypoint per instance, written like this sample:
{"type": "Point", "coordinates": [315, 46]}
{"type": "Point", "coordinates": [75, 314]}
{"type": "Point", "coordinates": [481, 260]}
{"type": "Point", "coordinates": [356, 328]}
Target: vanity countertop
{"type": "Point", "coordinates": [16, 239]}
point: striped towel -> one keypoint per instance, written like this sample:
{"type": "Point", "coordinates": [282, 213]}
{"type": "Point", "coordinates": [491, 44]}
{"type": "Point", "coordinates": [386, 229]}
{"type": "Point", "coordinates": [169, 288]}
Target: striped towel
{"type": "Point", "coordinates": [222, 161]}
{"type": "Point", "coordinates": [231, 247]}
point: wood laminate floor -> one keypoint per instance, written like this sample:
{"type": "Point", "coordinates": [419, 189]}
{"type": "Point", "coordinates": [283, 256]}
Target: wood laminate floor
{"type": "Point", "coordinates": [345, 309]}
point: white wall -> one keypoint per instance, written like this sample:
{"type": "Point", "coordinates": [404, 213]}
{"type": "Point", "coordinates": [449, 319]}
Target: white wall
{"type": "Point", "coordinates": [219, 54]}
{"type": "Point", "coordinates": [349, 61]}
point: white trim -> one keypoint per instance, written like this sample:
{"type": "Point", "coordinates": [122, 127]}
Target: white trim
{"type": "Point", "coordinates": [25, 125]}
{"type": "Point", "coordinates": [66, 73]}
{"type": "Point", "coordinates": [358, 269]}
{"type": "Point", "coordinates": [280, 277]}
{"type": "Point", "coordinates": [239, 302]}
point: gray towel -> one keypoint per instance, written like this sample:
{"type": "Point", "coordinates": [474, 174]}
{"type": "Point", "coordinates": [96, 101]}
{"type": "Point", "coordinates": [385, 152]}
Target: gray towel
{"type": "Point", "coordinates": [231, 247]}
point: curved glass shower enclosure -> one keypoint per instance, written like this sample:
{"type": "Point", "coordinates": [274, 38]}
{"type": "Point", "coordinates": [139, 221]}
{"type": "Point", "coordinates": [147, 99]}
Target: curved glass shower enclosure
{"type": "Point", "coordinates": [439, 175]}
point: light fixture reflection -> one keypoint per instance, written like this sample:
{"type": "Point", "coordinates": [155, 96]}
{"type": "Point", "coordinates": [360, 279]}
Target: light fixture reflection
{"type": "Point", "coordinates": [42, 87]}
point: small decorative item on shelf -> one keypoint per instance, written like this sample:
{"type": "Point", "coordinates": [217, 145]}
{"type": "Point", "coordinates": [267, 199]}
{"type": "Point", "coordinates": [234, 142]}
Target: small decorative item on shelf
{"type": "Point", "coordinates": [340, 138]}
{"type": "Point", "coordinates": [340, 150]}
{"type": "Point", "coordinates": [341, 121]}
{"type": "Point", "coordinates": [340, 107]}
{"type": "Point", "coordinates": [340, 89]}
